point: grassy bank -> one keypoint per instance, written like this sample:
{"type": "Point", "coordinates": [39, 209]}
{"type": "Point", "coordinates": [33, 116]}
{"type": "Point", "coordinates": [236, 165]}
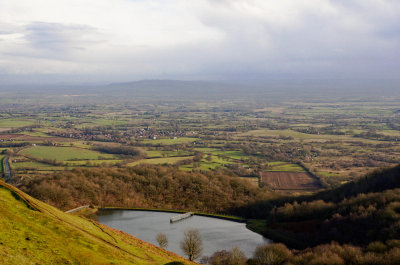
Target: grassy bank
{"type": "Point", "coordinates": [36, 233]}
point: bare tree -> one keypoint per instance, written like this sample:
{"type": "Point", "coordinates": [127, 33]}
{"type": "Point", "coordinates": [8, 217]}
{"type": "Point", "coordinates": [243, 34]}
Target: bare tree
{"type": "Point", "coordinates": [238, 257]}
{"type": "Point", "coordinates": [162, 240]}
{"type": "Point", "coordinates": [192, 244]}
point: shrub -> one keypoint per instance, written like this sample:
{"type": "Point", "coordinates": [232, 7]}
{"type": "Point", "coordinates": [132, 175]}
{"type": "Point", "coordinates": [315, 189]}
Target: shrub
{"type": "Point", "coordinates": [274, 254]}
{"type": "Point", "coordinates": [377, 247]}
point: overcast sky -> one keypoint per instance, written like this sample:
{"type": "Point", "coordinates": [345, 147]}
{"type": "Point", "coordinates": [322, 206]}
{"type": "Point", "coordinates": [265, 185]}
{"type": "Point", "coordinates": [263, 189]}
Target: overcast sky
{"type": "Point", "coordinates": [134, 39]}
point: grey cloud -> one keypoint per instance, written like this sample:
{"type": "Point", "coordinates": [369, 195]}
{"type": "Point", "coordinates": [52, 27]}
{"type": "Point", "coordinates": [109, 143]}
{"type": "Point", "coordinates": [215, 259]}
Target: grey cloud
{"type": "Point", "coordinates": [356, 37]}
{"type": "Point", "coordinates": [316, 38]}
{"type": "Point", "coordinates": [6, 28]}
{"type": "Point", "coordinates": [60, 39]}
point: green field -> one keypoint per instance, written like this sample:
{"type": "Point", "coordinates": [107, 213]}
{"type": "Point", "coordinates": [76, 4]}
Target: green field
{"type": "Point", "coordinates": [294, 134]}
{"type": "Point", "coordinates": [1, 163]}
{"type": "Point", "coordinates": [390, 132]}
{"type": "Point", "coordinates": [101, 122]}
{"type": "Point", "coordinates": [329, 174]}
{"type": "Point", "coordinates": [169, 141]}
{"type": "Point", "coordinates": [36, 134]}
{"type": "Point", "coordinates": [229, 154]}
{"type": "Point", "coordinates": [159, 154]}
{"type": "Point", "coordinates": [287, 167]}
{"type": "Point", "coordinates": [63, 153]}
{"type": "Point", "coordinates": [11, 123]}
{"type": "Point", "coordinates": [164, 160]}
{"type": "Point", "coordinates": [98, 162]}
{"type": "Point", "coordinates": [34, 165]}
{"type": "Point", "coordinates": [214, 163]}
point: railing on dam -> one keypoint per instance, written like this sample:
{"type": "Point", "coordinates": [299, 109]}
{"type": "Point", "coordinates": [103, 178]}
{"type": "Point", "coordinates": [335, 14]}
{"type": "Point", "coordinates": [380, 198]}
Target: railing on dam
{"type": "Point", "coordinates": [181, 217]}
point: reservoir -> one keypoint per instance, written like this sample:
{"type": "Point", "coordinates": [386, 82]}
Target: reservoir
{"type": "Point", "coordinates": [217, 234]}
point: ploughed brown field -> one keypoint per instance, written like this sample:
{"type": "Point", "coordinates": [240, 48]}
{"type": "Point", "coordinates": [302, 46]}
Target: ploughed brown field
{"type": "Point", "coordinates": [38, 138]}
{"type": "Point", "coordinates": [9, 136]}
{"type": "Point", "coordinates": [289, 181]}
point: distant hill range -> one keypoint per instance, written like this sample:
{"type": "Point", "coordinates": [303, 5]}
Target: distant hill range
{"type": "Point", "coordinates": [227, 89]}
{"type": "Point", "coordinates": [173, 89]}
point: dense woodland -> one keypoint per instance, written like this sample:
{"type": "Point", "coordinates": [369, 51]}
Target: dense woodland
{"type": "Point", "coordinates": [145, 186]}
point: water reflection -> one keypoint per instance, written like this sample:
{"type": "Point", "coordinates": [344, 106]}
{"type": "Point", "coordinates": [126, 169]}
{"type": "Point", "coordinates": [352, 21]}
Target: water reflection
{"type": "Point", "coordinates": [217, 234]}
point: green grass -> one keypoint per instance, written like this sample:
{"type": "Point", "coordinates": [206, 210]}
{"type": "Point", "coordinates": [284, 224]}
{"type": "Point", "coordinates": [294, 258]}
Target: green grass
{"type": "Point", "coordinates": [36, 134]}
{"type": "Point", "coordinates": [35, 165]}
{"type": "Point", "coordinates": [217, 160]}
{"type": "Point", "coordinates": [207, 165]}
{"type": "Point", "coordinates": [154, 154]}
{"type": "Point", "coordinates": [298, 136]}
{"type": "Point", "coordinates": [101, 122]}
{"type": "Point", "coordinates": [286, 167]}
{"type": "Point", "coordinates": [163, 160]}
{"type": "Point", "coordinates": [1, 163]}
{"type": "Point", "coordinates": [276, 163]}
{"type": "Point", "coordinates": [13, 123]}
{"type": "Point", "coordinates": [63, 153]}
{"type": "Point", "coordinates": [206, 150]}
{"type": "Point", "coordinates": [75, 144]}
{"type": "Point", "coordinates": [390, 132]}
{"type": "Point", "coordinates": [46, 235]}
{"type": "Point", "coordinates": [94, 162]}
{"type": "Point", "coordinates": [169, 141]}
{"type": "Point", "coordinates": [231, 154]}
{"type": "Point", "coordinates": [160, 153]}
{"type": "Point", "coordinates": [276, 133]}
{"type": "Point", "coordinates": [328, 174]}
{"type": "Point", "coordinates": [109, 122]}
{"type": "Point", "coordinates": [294, 134]}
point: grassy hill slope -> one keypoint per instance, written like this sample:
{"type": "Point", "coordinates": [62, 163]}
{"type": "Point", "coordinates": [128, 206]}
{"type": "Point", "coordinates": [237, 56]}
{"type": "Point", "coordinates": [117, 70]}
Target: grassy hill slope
{"type": "Point", "coordinates": [32, 232]}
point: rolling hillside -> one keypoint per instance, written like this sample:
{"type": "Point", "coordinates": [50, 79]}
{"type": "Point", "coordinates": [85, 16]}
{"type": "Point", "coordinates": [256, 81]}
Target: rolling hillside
{"type": "Point", "coordinates": [33, 232]}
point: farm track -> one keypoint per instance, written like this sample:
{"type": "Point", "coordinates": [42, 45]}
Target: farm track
{"type": "Point", "coordinates": [7, 169]}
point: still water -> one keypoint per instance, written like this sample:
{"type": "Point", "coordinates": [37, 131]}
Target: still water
{"type": "Point", "coordinates": [217, 234]}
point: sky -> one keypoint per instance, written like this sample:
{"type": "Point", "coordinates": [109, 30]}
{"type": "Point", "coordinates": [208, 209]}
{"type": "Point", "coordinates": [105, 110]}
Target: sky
{"type": "Point", "coordinates": [199, 39]}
